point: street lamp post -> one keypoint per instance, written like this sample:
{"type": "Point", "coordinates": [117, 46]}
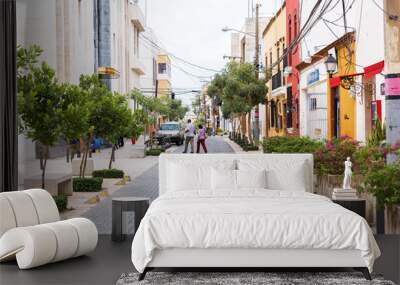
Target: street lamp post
{"type": "Point", "coordinates": [331, 65]}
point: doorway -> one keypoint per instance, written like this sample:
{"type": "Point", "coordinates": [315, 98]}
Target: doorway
{"type": "Point", "coordinates": [336, 112]}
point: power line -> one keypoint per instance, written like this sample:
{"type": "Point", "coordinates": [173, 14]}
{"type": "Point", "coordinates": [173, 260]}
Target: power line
{"type": "Point", "coordinates": [179, 58]}
{"type": "Point", "coordinates": [391, 16]}
{"type": "Point", "coordinates": [199, 77]}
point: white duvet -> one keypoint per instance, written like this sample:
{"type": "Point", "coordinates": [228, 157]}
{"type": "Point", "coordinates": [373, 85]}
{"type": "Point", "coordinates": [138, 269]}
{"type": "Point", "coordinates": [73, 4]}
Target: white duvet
{"type": "Point", "coordinates": [250, 219]}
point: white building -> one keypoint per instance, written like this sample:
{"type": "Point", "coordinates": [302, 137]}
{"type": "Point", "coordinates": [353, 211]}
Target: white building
{"type": "Point", "coordinates": [126, 23]}
{"type": "Point", "coordinates": [148, 55]}
{"type": "Point", "coordinates": [64, 30]}
{"type": "Point", "coordinates": [366, 19]}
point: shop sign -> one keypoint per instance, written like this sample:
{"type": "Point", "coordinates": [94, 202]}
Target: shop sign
{"type": "Point", "coordinates": [392, 85]}
{"type": "Point", "coordinates": [313, 76]}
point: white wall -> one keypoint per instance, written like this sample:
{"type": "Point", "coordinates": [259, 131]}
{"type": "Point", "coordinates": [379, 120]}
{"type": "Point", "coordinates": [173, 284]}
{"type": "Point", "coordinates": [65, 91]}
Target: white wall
{"type": "Point", "coordinates": [148, 53]}
{"type": "Point", "coordinates": [367, 20]}
{"type": "Point", "coordinates": [64, 30]}
{"type": "Point", "coordinates": [305, 91]}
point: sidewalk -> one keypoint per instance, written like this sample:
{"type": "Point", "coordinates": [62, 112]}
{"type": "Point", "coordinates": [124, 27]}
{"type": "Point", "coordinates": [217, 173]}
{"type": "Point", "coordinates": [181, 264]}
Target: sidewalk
{"type": "Point", "coordinates": [236, 148]}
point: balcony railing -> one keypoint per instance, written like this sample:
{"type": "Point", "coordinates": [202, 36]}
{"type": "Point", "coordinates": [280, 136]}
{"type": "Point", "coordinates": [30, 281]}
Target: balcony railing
{"type": "Point", "coordinates": [277, 80]}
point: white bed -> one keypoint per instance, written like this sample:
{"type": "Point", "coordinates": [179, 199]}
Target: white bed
{"type": "Point", "coordinates": [197, 222]}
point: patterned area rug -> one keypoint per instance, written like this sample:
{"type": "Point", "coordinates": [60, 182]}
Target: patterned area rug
{"type": "Point", "coordinates": [244, 278]}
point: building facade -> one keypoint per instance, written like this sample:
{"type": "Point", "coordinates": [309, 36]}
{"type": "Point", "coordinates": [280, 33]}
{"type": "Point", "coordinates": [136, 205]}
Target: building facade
{"type": "Point", "coordinates": [149, 51]}
{"type": "Point", "coordinates": [359, 74]}
{"type": "Point", "coordinates": [64, 31]}
{"type": "Point", "coordinates": [164, 76]}
{"type": "Point", "coordinates": [290, 72]}
{"type": "Point", "coordinates": [274, 37]}
{"type": "Point", "coordinates": [125, 25]}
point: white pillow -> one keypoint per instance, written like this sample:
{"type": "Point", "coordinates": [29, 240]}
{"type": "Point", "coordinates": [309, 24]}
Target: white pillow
{"type": "Point", "coordinates": [282, 174]}
{"type": "Point", "coordinates": [186, 175]}
{"type": "Point", "coordinates": [251, 178]}
{"type": "Point", "coordinates": [223, 179]}
{"type": "Point", "coordinates": [183, 177]}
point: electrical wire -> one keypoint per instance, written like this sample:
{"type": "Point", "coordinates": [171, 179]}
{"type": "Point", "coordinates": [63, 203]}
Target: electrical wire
{"type": "Point", "coordinates": [309, 24]}
{"type": "Point", "coordinates": [391, 16]}
{"type": "Point", "coordinates": [179, 58]}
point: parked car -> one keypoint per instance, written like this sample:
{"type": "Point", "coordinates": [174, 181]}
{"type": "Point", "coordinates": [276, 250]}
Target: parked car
{"type": "Point", "coordinates": [170, 132]}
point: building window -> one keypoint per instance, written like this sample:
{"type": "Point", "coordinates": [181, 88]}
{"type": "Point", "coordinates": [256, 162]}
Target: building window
{"type": "Point", "coordinates": [313, 104]}
{"type": "Point", "coordinates": [162, 68]}
{"type": "Point", "coordinates": [278, 54]}
{"type": "Point", "coordinates": [270, 60]}
{"type": "Point", "coordinates": [135, 41]}
{"type": "Point", "coordinates": [295, 25]}
{"type": "Point", "coordinates": [290, 29]}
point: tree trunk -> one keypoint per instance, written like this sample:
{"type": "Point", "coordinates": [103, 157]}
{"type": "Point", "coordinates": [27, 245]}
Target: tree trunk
{"type": "Point", "coordinates": [82, 150]}
{"type": "Point", "coordinates": [112, 157]}
{"type": "Point", "coordinates": [44, 156]}
{"type": "Point", "coordinates": [249, 129]}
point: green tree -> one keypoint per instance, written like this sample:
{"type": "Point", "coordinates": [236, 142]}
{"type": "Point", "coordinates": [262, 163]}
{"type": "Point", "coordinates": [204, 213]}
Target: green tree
{"type": "Point", "coordinates": [75, 105]}
{"type": "Point", "coordinates": [238, 91]}
{"type": "Point", "coordinates": [94, 90]}
{"type": "Point", "coordinates": [39, 102]}
{"type": "Point", "coordinates": [175, 110]}
{"type": "Point", "coordinates": [110, 119]}
{"type": "Point", "coordinates": [243, 88]}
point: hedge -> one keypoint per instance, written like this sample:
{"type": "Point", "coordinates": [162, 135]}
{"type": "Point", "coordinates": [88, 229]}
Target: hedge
{"type": "Point", "coordinates": [108, 173]}
{"type": "Point", "coordinates": [250, 148]}
{"type": "Point", "coordinates": [291, 145]}
{"type": "Point", "coordinates": [61, 202]}
{"type": "Point", "coordinates": [87, 184]}
{"type": "Point", "coordinates": [155, 151]}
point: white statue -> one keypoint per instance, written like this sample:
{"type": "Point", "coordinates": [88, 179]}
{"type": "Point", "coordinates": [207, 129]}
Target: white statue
{"type": "Point", "coordinates": [347, 174]}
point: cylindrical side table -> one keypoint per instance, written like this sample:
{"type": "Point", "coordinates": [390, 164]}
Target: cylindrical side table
{"type": "Point", "coordinates": [138, 205]}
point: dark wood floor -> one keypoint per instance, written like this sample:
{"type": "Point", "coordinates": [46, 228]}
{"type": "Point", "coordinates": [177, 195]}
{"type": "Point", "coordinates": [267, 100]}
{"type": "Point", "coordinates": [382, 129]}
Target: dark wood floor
{"type": "Point", "coordinates": [110, 260]}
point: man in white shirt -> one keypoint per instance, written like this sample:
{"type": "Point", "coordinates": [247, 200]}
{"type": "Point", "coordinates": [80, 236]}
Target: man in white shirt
{"type": "Point", "coordinates": [190, 131]}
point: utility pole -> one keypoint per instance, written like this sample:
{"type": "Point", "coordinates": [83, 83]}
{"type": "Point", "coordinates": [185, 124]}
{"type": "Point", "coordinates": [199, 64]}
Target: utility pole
{"type": "Point", "coordinates": [392, 73]}
{"type": "Point", "coordinates": [344, 17]}
{"type": "Point", "coordinates": [257, 65]}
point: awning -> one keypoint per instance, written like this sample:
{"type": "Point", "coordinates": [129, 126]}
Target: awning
{"type": "Point", "coordinates": [373, 69]}
{"type": "Point", "coordinates": [334, 82]}
{"type": "Point", "coordinates": [369, 71]}
{"type": "Point", "coordinates": [106, 72]}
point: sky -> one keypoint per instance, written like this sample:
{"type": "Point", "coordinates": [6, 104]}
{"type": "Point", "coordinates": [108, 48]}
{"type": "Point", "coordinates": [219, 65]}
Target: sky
{"type": "Point", "coordinates": [191, 29]}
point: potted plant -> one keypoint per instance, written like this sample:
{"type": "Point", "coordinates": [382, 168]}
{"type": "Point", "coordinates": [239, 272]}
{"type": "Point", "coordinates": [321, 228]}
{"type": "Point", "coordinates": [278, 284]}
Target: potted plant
{"type": "Point", "coordinates": [384, 184]}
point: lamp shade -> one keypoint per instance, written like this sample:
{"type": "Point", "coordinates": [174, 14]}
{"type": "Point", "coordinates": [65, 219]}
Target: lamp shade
{"type": "Point", "coordinates": [331, 64]}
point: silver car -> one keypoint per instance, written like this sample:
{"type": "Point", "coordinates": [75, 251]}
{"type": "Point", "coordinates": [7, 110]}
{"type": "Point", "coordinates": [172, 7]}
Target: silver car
{"type": "Point", "coordinates": [170, 132]}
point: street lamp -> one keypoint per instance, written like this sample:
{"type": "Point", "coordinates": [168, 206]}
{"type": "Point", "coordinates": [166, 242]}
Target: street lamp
{"type": "Point", "coordinates": [331, 65]}
{"type": "Point", "coordinates": [227, 29]}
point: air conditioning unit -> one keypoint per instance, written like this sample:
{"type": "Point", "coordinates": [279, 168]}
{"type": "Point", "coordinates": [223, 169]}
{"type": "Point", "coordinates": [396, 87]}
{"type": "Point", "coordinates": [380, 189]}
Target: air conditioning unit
{"type": "Point", "coordinates": [287, 71]}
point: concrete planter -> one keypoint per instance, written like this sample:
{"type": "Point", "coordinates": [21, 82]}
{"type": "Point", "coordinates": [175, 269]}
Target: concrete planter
{"type": "Point", "coordinates": [76, 164]}
{"type": "Point", "coordinates": [137, 151]}
{"type": "Point", "coordinates": [392, 219]}
{"type": "Point", "coordinates": [323, 185]}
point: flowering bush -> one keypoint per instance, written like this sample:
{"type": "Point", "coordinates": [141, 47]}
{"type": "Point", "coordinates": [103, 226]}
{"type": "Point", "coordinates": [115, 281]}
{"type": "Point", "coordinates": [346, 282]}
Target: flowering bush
{"type": "Point", "coordinates": [330, 158]}
{"type": "Point", "coordinates": [384, 184]}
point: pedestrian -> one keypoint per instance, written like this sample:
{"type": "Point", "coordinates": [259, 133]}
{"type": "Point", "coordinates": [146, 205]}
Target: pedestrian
{"type": "Point", "coordinates": [189, 136]}
{"type": "Point", "coordinates": [201, 139]}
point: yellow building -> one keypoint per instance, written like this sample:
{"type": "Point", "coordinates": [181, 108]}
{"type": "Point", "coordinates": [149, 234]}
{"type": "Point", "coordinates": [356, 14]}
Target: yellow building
{"type": "Point", "coordinates": [342, 115]}
{"type": "Point", "coordinates": [274, 42]}
{"type": "Point", "coordinates": [163, 76]}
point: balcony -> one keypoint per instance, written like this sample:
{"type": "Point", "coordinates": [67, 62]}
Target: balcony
{"type": "Point", "coordinates": [136, 16]}
{"type": "Point", "coordinates": [136, 65]}
{"type": "Point", "coordinates": [277, 80]}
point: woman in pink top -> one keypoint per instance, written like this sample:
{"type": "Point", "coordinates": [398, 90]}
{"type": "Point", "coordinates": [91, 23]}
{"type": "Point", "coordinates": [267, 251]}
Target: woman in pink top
{"type": "Point", "coordinates": [201, 139]}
